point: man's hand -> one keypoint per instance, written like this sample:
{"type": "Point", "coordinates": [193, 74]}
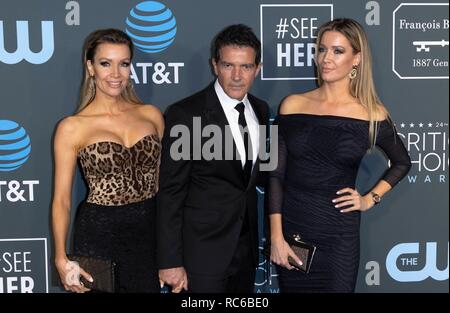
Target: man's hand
{"type": "Point", "coordinates": [175, 277]}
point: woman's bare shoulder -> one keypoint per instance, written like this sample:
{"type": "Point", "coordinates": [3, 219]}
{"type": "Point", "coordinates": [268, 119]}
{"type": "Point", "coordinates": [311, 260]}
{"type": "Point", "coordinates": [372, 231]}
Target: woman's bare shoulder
{"type": "Point", "coordinates": [296, 103]}
{"type": "Point", "coordinates": [150, 110]}
{"type": "Point", "coordinates": [72, 129]}
{"type": "Point", "coordinates": [69, 124]}
{"type": "Point", "coordinates": [381, 113]}
{"type": "Point", "coordinates": [154, 115]}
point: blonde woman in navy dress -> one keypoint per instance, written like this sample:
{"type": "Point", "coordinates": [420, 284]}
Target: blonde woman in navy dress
{"type": "Point", "coordinates": [323, 135]}
{"type": "Point", "coordinates": [117, 141]}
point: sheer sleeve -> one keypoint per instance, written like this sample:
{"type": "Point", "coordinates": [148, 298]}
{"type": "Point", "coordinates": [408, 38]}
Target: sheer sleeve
{"type": "Point", "coordinates": [391, 144]}
{"type": "Point", "coordinates": [276, 177]}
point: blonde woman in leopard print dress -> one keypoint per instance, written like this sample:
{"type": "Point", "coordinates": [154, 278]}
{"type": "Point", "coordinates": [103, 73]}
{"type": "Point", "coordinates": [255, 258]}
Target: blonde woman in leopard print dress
{"type": "Point", "coordinates": [116, 139]}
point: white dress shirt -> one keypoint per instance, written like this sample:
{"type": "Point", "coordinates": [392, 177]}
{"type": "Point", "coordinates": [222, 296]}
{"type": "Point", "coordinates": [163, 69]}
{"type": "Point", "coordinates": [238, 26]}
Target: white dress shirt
{"type": "Point", "coordinates": [232, 115]}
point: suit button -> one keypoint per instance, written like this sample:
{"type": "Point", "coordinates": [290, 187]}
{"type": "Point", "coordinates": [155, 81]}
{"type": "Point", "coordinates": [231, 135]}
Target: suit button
{"type": "Point", "coordinates": [241, 217]}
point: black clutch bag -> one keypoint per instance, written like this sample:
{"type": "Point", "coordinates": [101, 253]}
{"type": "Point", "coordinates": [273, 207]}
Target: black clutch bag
{"type": "Point", "coordinates": [102, 270]}
{"type": "Point", "coordinates": [304, 251]}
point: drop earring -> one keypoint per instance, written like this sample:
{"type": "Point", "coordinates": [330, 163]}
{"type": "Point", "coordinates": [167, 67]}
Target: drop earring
{"type": "Point", "coordinates": [354, 72]}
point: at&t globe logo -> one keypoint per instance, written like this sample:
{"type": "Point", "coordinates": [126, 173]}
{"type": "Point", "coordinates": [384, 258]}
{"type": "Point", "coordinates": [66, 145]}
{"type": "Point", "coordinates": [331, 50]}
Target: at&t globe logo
{"type": "Point", "coordinates": [151, 26]}
{"type": "Point", "coordinates": [15, 146]}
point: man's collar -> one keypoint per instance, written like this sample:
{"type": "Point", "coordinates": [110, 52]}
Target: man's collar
{"type": "Point", "coordinates": [225, 99]}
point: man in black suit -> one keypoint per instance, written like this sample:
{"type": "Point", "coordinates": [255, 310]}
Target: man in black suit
{"type": "Point", "coordinates": [207, 206]}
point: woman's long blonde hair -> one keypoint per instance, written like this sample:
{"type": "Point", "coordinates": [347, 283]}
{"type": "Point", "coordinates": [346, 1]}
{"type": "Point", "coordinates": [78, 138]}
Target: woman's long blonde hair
{"type": "Point", "coordinates": [362, 86]}
{"type": "Point", "coordinates": [114, 36]}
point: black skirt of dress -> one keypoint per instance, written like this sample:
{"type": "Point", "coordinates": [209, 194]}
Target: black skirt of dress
{"type": "Point", "coordinates": [125, 234]}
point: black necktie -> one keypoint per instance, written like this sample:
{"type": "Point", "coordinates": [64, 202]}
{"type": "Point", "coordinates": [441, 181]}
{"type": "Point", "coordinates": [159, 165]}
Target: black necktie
{"type": "Point", "coordinates": [240, 107]}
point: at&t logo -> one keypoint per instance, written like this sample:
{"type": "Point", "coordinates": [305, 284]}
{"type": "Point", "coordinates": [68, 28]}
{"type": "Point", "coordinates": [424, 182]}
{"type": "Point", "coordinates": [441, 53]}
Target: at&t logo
{"type": "Point", "coordinates": [15, 149]}
{"type": "Point", "coordinates": [23, 51]}
{"type": "Point", "coordinates": [152, 28]}
{"type": "Point", "coordinates": [15, 146]}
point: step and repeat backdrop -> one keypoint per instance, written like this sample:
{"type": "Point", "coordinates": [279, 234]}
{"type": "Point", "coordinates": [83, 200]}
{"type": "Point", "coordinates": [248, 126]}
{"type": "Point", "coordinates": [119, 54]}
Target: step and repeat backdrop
{"type": "Point", "coordinates": [404, 240]}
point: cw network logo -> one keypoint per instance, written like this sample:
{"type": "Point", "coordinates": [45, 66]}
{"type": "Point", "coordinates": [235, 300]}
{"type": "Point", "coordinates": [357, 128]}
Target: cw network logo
{"type": "Point", "coordinates": [23, 51]}
{"type": "Point", "coordinates": [404, 254]}
{"type": "Point", "coordinates": [151, 26]}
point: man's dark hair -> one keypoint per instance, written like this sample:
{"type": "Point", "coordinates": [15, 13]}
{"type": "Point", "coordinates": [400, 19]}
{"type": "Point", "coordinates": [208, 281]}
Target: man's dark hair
{"type": "Point", "coordinates": [236, 35]}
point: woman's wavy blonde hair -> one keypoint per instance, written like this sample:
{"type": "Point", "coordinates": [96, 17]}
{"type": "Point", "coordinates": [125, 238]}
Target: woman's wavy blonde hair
{"type": "Point", "coordinates": [362, 86]}
{"type": "Point", "coordinates": [96, 38]}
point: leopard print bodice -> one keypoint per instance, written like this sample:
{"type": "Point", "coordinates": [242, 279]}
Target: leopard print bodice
{"type": "Point", "coordinates": [118, 175]}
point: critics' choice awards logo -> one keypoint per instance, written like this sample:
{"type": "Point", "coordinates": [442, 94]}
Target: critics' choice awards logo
{"type": "Point", "coordinates": [266, 278]}
{"type": "Point", "coordinates": [427, 144]}
{"type": "Point", "coordinates": [414, 262]}
{"type": "Point", "coordinates": [152, 27]}
{"type": "Point", "coordinates": [288, 35]}
{"type": "Point", "coordinates": [23, 50]}
{"type": "Point", "coordinates": [420, 41]}
{"type": "Point", "coordinates": [15, 149]}
{"type": "Point", "coordinates": [23, 265]}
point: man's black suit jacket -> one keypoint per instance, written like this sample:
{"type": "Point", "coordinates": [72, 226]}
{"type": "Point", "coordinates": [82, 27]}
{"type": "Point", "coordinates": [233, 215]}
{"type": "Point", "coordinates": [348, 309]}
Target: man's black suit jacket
{"type": "Point", "coordinates": [201, 203]}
